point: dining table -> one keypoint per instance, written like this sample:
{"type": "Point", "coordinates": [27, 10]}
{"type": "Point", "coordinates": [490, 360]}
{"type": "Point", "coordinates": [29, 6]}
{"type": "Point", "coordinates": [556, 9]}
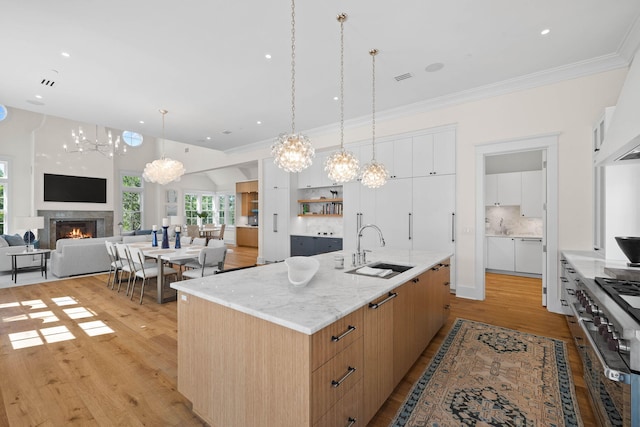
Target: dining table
{"type": "Point", "coordinates": [163, 256]}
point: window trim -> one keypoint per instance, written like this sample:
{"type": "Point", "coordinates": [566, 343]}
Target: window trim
{"type": "Point", "coordinates": [6, 181]}
{"type": "Point", "coordinates": [124, 189]}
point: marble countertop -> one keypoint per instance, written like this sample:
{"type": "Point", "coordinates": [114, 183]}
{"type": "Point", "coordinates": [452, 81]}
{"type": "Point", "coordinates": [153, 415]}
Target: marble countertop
{"type": "Point", "coordinates": [247, 226]}
{"type": "Point", "coordinates": [334, 236]}
{"type": "Point", "coordinates": [591, 264]}
{"type": "Point", "coordinates": [265, 291]}
{"type": "Point", "coordinates": [515, 236]}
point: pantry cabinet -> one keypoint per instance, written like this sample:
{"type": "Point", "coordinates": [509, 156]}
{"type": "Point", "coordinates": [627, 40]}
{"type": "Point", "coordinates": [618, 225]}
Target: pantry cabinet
{"type": "Point", "coordinates": [434, 154]}
{"type": "Point", "coordinates": [503, 189]}
{"type": "Point", "coordinates": [532, 191]}
{"type": "Point", "coordinates": [276, 213]}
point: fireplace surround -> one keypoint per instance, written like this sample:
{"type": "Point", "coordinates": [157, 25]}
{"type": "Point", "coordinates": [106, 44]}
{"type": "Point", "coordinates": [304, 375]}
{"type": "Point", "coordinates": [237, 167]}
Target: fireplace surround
{"type": "Point", "coordinates": [103, 221]}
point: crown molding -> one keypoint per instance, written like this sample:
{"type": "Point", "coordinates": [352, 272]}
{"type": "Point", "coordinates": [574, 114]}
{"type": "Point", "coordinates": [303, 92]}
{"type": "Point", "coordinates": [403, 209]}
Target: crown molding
{"type": "Point", "coordinates": [542, 78]}
{"type": "Point", "coordinates": [631, 42]}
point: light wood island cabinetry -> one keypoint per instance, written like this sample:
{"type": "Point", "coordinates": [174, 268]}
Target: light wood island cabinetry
{"type": "Point", "coordinates": [240, 369]}
{"type": "Point", "coordinates": [247, 236]}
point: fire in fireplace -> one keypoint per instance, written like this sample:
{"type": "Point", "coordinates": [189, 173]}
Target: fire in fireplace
{"type": "Point", "coordinates": [75, 229]}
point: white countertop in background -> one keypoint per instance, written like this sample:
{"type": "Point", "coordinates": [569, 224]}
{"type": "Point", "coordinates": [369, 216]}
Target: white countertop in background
{"type": "Point", "coordinates": [265, 291]}
{"type": "Point", "coordinates": [591, 264]}
{"type": "Point", "coordinates": [515, 236]}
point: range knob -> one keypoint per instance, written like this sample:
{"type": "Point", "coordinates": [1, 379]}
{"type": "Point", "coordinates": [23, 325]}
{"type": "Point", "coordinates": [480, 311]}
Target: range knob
{"type": "Point", "coordinates": [617, 344]}
{"type": "Point", "coordinates": [599, 320]}
{"type": "Point", "coordinates": [593, 309]}
{"type": "Point", "coordinates": [604, 329]}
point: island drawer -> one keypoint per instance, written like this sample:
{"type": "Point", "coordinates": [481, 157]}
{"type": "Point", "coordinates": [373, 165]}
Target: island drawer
{"type": "Point", "coordinates": [335, 378]}
{"type": "Point", "coordinates": [334, 338]}
{"type": "Point", "coordinates": [347, 411]}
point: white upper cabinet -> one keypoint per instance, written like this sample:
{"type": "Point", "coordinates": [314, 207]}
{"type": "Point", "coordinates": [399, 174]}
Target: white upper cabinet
{"type": "Point", "coordinates": [273, 176]}
{"type": "Point", "coordinates": [434, 154]}
{"type": "Point", "coordinates": [503, 189]}
{"type": "Point", "coordinates": [396, 157]}
{"type": "Point", "coordinates": [315, 176]}
{"type": "Point", "coordinates": [531, 205]}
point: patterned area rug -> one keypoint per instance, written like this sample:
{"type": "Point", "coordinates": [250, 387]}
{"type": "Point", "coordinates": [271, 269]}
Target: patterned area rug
{"type": "Point", "coordinates": [484, 375]}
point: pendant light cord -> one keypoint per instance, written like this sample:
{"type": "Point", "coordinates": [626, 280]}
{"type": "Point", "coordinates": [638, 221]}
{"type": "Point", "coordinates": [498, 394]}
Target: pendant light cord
{"type": "Point", "coordinates": [373, 53]}
{"type": "Point", "coordinates": [293, 67]}
{"type": "Point", "coordinates": [341, 19]}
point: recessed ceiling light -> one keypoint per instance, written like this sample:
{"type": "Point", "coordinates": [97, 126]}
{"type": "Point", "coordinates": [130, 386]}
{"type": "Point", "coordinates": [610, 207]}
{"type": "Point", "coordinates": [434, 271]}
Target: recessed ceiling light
{"type": "Point", "coordinates": [268, 56]}
{"type": "Point", "coordinates": [65, 54]}
{"type": "Point", "coordinates": [259, 122]}
{"type": "Point", "coordinates": [335, 98]}
{"type": "Point", "coordinates": [545, 32]}
{"type": "Point", "coordinates": [436, 66]}
{"type": "Point", "coordinates": [208, 138]}
{"type": "Point", "coordinates": [141, 122]}
{"type": "Point", "coordinates": [39, 96]}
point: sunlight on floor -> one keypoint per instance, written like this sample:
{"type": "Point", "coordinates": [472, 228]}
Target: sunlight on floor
{"type": "Point", "coordinates": [52, 334]}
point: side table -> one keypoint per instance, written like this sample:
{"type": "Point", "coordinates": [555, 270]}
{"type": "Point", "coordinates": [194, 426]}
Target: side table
{"type": "Point", "coordinates": [44, 255]}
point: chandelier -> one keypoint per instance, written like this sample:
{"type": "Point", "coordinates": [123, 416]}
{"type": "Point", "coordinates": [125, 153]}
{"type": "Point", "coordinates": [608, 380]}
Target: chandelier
{"type": "Point", "coordinates": [82, 144]}
{"type": "Point", "coordinates": [374, 174]}
{"type": "Point", "coordinates": [293, 152]}
{"type": "Point", "coordinates": [163, 170]}
{"type": "Point", "coordinates": [342, 166]}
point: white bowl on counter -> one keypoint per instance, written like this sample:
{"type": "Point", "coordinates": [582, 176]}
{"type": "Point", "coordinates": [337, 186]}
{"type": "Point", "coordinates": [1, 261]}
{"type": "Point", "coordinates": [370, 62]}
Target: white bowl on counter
{"type": "Point", "coordinates": [301, 269]}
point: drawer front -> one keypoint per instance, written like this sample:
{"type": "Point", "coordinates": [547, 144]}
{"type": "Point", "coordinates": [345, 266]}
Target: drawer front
{"type": "Point", "coordinates": [333, 380]}
{"type": "Point", "coordinates": [347, 412]}
{"type": "Point", "coordinates": [331, 340]}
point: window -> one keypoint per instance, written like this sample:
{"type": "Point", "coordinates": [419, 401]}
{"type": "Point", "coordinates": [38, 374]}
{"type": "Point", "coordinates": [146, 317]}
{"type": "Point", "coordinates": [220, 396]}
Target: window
{"type": "Point", "coordinates": [195, 204]}
{"type": "Point", "coordinates": [4, 184]}
{"type": "Point", "coordinates": [132, 188]}
{"type": "Point", "coordinates": [132, 139]}
{"type": "Point", "coordinates": [227, 209]}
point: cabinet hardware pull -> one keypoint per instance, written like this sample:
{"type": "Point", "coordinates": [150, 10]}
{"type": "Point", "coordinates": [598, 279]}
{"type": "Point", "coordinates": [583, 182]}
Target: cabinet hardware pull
{"type": "Point", "coordinates": [564, 303]}
{"type": "Point", "coordinates": [453, 226]}
{"type": "Point", "coordinates": [571, 291]}
{"type": "Point", "coordinates": [275, 222]}
{"type": "Point", "coordinates": [435, 268]}
{"type": "Point", "coordinates": [444, 265]}
{"type": "Point", "coordinates": [446, 307]}
{"type": "Point", "coordinates": [344, 334]}
{"type": "Point", "coordinates": [335, 383]}
{"type": "Point", "coordinates": [352, 421]}
{"type": "Point", "coordinates": [571, 270]}
{"type": "Point", "coordinates": [564, 280]}
{"type": "Point", "coordinates": [410, 231]}
{"type": "Point", "coordinates": [415, 280]}
{"type": "Point", "coordinates": [375, 305]}
{"type": "Point", "coordinates": [446, 283]}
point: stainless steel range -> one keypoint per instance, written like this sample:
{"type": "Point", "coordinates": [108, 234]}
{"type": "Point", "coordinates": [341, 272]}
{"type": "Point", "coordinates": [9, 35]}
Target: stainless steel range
{"type": "Point", "coordinates": [606, 329]}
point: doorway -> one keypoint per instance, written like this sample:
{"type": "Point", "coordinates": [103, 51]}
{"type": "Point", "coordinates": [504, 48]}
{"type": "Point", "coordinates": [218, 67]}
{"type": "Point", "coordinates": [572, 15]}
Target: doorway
{"type": "Point", "coordinates": [548, 147]}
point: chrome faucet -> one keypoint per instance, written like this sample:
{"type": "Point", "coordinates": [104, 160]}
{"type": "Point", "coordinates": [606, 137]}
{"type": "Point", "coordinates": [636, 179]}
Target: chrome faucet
{"type": "Point", "coordinates": [361, 256]}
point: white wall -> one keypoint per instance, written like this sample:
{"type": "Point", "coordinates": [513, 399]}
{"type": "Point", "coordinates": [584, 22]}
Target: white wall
{"type": "Point", "coordinates": [623, 206]}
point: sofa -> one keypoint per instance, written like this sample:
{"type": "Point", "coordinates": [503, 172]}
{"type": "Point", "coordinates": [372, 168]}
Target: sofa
{"type": "Point", "coordinates": [14, 244]}
{"type": "Point", "coordinates": [81, 256]}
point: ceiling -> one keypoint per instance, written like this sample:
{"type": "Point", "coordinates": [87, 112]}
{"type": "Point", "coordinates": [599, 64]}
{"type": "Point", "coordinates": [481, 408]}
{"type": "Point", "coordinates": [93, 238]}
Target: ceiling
{"type": "Point", "coordinates": [204, 61]}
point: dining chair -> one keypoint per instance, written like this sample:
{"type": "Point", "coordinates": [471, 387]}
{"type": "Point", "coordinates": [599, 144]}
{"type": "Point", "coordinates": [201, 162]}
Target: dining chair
{"type": "Point", "coordinates": [185, 240]}
{"type": "Point", "coordinates": [123, 254]}
{"type": "Point", "coordinates": [193, 231]}
{"type": "Point", "coordinates": [115, 267]}
{"type": "Point", "coordinates": [210, 261]}
{"type": "Point", "coordinates": [220, 235]}
{"type": "Point", "coordinates": [199, 241]}
{"type": "Point", "coordinates": [145, 271]}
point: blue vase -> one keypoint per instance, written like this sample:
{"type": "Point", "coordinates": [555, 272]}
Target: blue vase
{"type": "Point", "coordinates": [154, 240]}
{"type": "Point", "coordinates": [177, 240]}
{"type": "Point", "coordinates": [165, 237]}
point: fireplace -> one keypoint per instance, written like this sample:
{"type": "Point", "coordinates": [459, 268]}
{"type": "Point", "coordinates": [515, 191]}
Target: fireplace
{"type": "Point", "coordinates": [76, 229]}
{"type": "Point", "coordinates": [74, 224]}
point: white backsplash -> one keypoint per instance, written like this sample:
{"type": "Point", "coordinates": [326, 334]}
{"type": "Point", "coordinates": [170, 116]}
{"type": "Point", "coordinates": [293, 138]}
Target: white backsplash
{"type": "Point", "coordinates": [507, 220]}
{"type": "Point", "coordinates": [310, 226]}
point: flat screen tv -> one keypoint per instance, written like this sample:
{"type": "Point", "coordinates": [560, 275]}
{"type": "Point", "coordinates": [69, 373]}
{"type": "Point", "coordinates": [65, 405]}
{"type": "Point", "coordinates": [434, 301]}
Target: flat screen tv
{"type": "Point", "coordinates": [79, 189]}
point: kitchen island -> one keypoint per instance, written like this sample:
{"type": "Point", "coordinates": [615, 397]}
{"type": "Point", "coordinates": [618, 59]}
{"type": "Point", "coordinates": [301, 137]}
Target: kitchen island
{"type": "Point", "coordinates": [254, 350]}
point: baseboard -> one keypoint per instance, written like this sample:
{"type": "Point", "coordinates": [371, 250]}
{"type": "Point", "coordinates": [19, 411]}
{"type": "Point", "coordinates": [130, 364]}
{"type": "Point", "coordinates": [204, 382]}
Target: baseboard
{"type": "Point", "coordinates": [468, 292]}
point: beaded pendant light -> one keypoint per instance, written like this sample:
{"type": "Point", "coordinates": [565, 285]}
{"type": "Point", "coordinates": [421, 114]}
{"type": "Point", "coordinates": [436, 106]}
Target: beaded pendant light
{"type": "Point", "coordinates": [374, 174]}
{"type": "Point", "coordinates": [163, 170]}
{"type": "Point", "coordinates": [293, 151]}
{"type": "Point", "coordinates": [342, 166]}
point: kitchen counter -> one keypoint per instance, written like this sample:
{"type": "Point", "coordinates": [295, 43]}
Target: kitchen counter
{"type": "Point", "coordinates": [265, 291]}
{"type": "Point", "coordinates": [335, 236]}
{"type": "Point", "coordinates": [514, 236]}
{"type": "Point", "coordinates": [590, 264]}
{"type": "Point", "coordinates": [247, 226]}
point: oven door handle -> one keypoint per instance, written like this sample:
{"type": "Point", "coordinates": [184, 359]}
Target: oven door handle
{"type": "Point", "coordinates": [612, 374]}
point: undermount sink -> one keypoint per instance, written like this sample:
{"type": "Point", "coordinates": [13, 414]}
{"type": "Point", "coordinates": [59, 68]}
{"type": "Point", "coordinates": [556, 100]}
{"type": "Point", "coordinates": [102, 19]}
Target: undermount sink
{"type": "Point", "coordinates": [380, 265]}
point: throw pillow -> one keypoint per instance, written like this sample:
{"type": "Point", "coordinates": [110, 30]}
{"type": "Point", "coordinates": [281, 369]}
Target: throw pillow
{"type": "Point", "coordinates": [15, 240]}
{"type": "Point", "coordinates": [3, 243]}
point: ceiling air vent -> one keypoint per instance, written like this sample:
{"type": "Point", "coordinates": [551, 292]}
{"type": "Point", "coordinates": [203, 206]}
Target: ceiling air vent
{"type": "Point", "coordinates": [404, 76]}
{"type": "Point", "coordinates": [226, 132]}
{"type": "Point", "coordinates": [47, 82]}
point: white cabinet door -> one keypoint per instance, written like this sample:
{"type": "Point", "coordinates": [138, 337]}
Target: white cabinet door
{"type": "Point", "coordinates": [444, 152]}
{"type": "Point", "coordinates": [528, 255]}
{"type": "Point", "coordinates": [422, 155]}
{"type": "Point", "coordinates": [273, 176]}
{"type": "Point", "coordinates": [491, 190]}
{"type": "Point", "coordinates": [500, 253]}
{"type": "Point", "coordinates": [433, 222]}
{"type": "Point", "coordinates": [510, 189]}
{"type": "Point", "coordinates": [393, 213]}
{"type": "Point", "coordinates": [531, 194]}
{"type": "Point", "coordinates": [396, 156]}
{"type": "Point", "coordinates": [275, 224]}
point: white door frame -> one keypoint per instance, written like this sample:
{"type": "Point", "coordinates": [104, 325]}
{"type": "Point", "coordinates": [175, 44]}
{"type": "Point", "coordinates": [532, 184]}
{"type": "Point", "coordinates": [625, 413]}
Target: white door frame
{"type": "Point", "coordinates": [548, 142]}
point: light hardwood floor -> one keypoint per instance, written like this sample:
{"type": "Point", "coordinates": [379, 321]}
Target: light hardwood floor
{"type": "Point", "coordinates": [78, 372]}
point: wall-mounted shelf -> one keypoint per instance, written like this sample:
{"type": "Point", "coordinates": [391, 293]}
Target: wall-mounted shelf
{"type": "Point", "coordinates": [320, 207]}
